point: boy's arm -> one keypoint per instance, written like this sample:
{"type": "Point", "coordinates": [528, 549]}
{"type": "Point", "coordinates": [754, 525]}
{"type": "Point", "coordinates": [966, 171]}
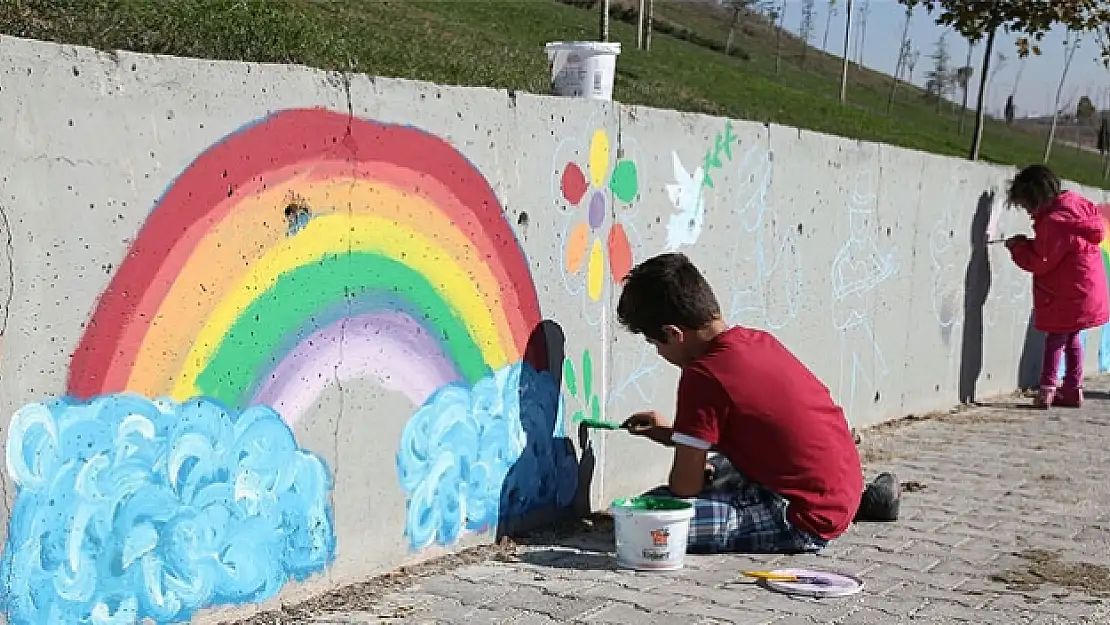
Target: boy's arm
{"type": "Point", "coordinates": [687, 476]}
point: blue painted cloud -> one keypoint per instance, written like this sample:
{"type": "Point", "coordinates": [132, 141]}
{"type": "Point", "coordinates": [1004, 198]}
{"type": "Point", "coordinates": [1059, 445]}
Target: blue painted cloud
{"type": "Point", "coordinates": [128, 509]}
{"type": "Point", "coordinates": [471, 456]}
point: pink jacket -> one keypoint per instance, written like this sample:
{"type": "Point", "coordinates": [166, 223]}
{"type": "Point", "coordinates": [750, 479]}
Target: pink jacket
{"type": "Point", "coordinates": [1069, 280]}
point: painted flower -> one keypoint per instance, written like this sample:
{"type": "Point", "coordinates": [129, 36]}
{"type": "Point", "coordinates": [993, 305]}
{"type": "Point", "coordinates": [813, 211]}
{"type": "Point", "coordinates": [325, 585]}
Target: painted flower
{"type": "Point", "coordinates": [585, 249]}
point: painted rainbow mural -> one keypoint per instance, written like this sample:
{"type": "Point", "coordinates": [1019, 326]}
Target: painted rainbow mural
{"type": "Point", "coordinates": [1104, 346]}
{"type": "Point", "coordinates": [400, 257]}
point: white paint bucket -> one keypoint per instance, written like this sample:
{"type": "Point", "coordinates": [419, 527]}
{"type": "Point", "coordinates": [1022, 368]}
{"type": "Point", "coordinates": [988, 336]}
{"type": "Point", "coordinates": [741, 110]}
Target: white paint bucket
{"type": "Point", "coordinates": [583, 69]}
{"type": "Point", "coordinates": [651, 532]}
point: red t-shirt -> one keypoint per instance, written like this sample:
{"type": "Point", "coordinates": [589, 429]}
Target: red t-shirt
{"type": "Point", "coordinates": [753, 400]}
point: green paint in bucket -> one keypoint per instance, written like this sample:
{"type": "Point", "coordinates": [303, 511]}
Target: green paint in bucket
{"type": "Point", "coordinates": [651, 532]}
{"type": "Point", "coordinates": [652, 503]}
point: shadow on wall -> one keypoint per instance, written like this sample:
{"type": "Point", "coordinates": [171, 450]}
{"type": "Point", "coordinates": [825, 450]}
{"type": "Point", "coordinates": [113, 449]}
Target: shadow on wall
{"type": "Point", "coordinates": [977, 286]}
{"type": "Point", "coordinates": [547, 478]}
{"type": "Point", "coordinates": [1032, 354]}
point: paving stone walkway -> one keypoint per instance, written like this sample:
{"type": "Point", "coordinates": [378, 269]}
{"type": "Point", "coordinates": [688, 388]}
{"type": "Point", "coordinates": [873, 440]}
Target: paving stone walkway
{"type": "Point", "coordinates": [1007, 520]}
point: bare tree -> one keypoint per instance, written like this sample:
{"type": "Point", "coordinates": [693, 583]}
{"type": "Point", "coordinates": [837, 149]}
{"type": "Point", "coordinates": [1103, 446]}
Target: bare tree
{"type": "Point", "coordinates": [777, 14]}
{"type": "Point", "coordinates": [807, 28]}
{"type": "Point", "coordinates": [963, 77]}
{"type": "Point", "coordinates": [911, 62]}
{"type": "Point", "coordinates": [847, 42]}
{"type": "Point", "coordinates": [1071, 46]}
{"type": "Point", "coordinates": [903, 53]}
{"type": "Point", "coordinates": [940, 79]}
{"type": "Point", "coordinates": [861, 43]}
{"type": "Point", "coordinates": [737, 10]}
{"type": "Point", "coordinates": [828, 24]}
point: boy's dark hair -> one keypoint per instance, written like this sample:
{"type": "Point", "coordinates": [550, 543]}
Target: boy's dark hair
{"type": "Point", "coordinates": [1034, 186]}
{"type": "Point", "coordinates": [666, 290]}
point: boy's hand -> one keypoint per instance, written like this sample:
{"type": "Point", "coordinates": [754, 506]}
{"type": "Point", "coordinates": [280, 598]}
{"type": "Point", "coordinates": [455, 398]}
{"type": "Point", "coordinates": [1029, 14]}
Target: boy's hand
{"type": "Point", "coordinates": [650, 424]}
{"type": "Point", "coordinates": [642, 423]}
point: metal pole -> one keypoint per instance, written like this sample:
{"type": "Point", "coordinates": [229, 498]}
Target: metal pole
{"type": "Point", "coordinates": [650, 22]}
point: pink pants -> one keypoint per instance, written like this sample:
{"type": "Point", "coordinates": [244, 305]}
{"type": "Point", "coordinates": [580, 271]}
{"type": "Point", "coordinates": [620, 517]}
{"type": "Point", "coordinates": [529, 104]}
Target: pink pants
{"type": "Point", "coordinates": [1064, 344]}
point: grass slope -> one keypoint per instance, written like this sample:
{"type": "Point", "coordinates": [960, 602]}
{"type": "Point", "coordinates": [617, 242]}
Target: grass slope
{"type": "Point", "coordinates": [500, 44]}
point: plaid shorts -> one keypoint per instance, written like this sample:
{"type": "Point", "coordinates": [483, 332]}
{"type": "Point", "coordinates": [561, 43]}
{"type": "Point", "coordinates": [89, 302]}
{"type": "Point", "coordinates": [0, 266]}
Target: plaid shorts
{"type": "Point", "coordinates": [743, 517]}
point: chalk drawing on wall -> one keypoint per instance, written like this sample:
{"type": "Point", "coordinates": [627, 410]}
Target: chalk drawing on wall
{"type": "Point", "coordinates": [129, 509]}
{"type": "Point", "coordinates": [858, 270]}
{"type": "Point", "coordinates": [1104, 345]}
{"type": "Point", "coordinates": [598, 243]}
{"type": "Point", "coordinates": [685, 224]}
{"type": "Point", "coordinates": [770, 255]}
{"type": "Point", "coordinates": [398, 266]}
{"type": "Point", "coordinates": [947, 294]}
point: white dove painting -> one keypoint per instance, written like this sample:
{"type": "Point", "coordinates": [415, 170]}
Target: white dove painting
{"type": "Point", "coordinates": [684, 226]}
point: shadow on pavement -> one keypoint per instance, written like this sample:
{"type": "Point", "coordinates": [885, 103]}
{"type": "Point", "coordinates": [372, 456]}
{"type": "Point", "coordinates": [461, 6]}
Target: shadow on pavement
{"type": "Point", "coordinates": [564, 558]}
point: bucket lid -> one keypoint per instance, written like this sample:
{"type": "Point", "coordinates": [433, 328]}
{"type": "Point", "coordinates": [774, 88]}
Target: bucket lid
{"type": "Point", "coordinates": [652, 504]}
{"type": "Point", "coordinates": [603, 47]}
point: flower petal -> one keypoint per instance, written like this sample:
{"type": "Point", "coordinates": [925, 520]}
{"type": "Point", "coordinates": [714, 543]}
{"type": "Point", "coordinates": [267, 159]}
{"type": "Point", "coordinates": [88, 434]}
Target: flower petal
{"type": "Point", "coordinates": [595, 279]}
{"type": "Point", "coordinates": [576, 247]}
{"type": "Point", "coordinates": [625, 183]}
{"type": "Point", "coordinates": [599, 158]}
{"type": "Point", "coordinates": [573, 183]}
{"type": "Point", "coordinates": [620, 253]}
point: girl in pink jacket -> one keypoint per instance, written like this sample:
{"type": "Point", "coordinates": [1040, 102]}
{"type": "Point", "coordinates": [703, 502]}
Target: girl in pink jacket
{"type": "Point", "coordinates": [1069, 280]}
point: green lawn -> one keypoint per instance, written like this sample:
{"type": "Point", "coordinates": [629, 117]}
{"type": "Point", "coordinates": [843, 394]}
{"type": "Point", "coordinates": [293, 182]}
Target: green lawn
{"type": "Point", "coordinates": [500, 44]}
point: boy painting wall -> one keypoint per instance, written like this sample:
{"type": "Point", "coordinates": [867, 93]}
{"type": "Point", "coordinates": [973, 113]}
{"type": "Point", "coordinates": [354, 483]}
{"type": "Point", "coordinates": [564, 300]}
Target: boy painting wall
{"type": "Point", "coordinates": [790, 479]}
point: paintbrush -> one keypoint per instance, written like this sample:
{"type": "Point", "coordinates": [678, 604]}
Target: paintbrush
{"type": "Point", "coordinates": [600, 425]}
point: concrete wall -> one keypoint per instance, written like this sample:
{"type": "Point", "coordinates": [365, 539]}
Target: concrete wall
{"type": "Point", "coordinates": [265, 325]}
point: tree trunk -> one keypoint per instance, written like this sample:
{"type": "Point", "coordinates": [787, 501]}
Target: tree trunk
{"type": "Point", "coordinates": [640, 27]}
{"type": "Point", "coordinates": [977, 136]}
{"type": "Point", "coordinates": [732, 30]}
{"type": "Point", "coordinates": [847, 44]}
{"type": "Point", "coordinates": [650, 25]}
{"type": "Point", "coordinates": [604, 25]}
{"type": "Point", "coordinates": [1068, 56]}
{"type": "Point", "coordinates": [901, 62]}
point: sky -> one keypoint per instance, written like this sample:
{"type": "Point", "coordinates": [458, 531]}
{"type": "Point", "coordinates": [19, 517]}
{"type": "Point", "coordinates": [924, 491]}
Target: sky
{"type": "Point", "coordinates": [1035, 91]}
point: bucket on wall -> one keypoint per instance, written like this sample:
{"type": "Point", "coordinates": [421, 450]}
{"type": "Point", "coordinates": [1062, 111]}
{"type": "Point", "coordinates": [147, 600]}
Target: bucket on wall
{"type": "Point", "coordinates": [651, 532]}
{"type": "Point", "coordinates": [583, 69]}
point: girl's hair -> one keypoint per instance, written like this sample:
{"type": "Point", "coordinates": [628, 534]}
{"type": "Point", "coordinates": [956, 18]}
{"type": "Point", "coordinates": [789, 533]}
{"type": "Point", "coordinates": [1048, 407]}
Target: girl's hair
{"type": "Point", "coordinates": [1034, 187]}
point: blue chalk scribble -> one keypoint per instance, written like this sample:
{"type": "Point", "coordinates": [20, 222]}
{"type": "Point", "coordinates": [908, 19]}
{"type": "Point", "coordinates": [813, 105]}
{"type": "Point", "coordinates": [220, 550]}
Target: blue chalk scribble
{"type": "Point", "coordinates": [128, 509]}
{"type": "Point", "coordinates": [470, 457]}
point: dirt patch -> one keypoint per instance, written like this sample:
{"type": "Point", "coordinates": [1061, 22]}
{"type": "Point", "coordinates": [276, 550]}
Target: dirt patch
{"type": "Point", "coordinates": [872, 455]}
{"type": "Point", "coordinates": [598, 522]}
{"type": "Point", "coordinates": [913, 487]}
{"type": "Point", "coordinates": [363, 595]}
{"type": "Point", "coordinates": [1046, 567]}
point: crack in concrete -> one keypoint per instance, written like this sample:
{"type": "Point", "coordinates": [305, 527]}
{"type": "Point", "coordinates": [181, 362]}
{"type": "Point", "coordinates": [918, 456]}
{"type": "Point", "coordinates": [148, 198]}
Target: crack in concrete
{"type": "Point", "coordinates": [64, 159]}
{"type": "Point", "coordinates": [9, 253]}
{"type": "Point", "coordinates": [346, 77]}
{"type": "Point", "coordinates": [5, 314]}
